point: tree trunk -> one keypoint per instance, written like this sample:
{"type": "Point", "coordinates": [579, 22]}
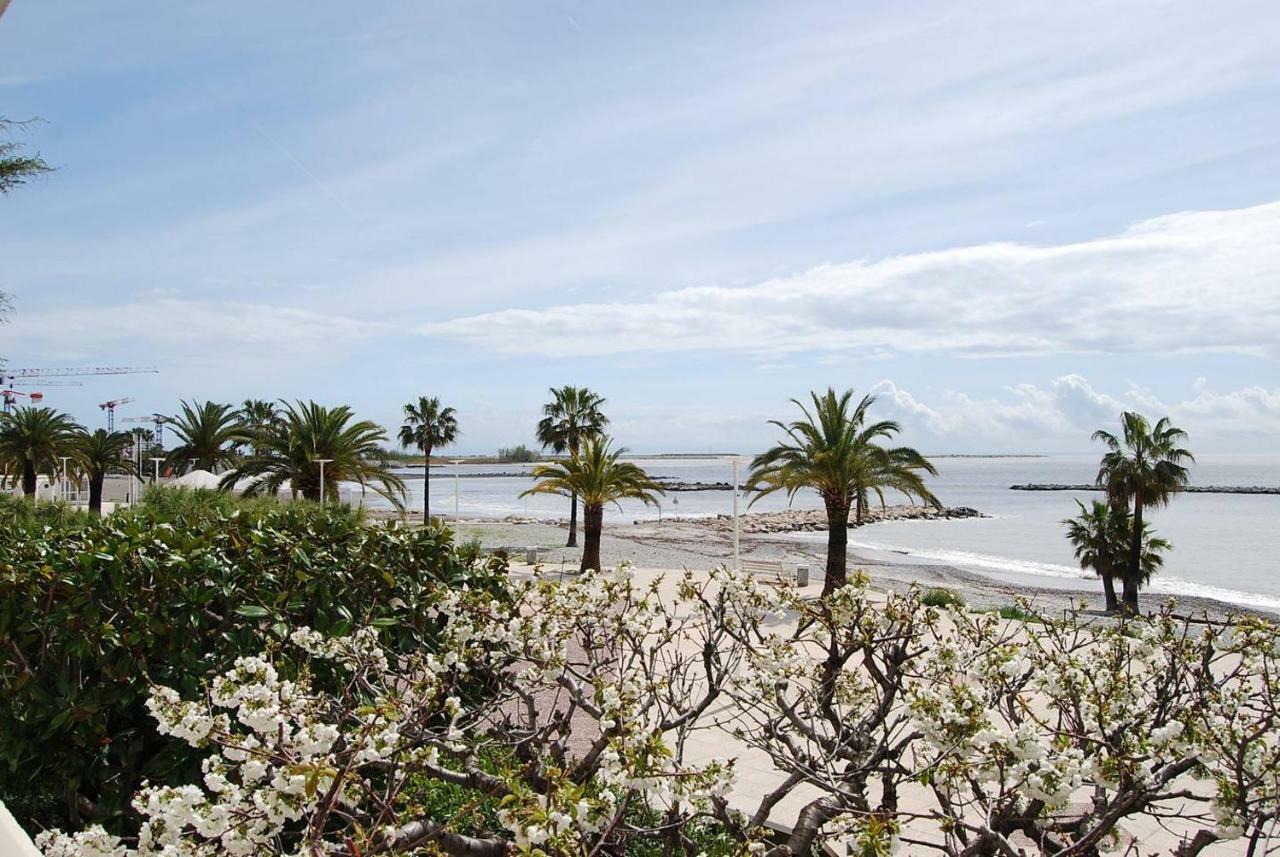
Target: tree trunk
{"type": "Point", "coordinates": [837, 546]}
{"type": "Point", "coordinates": [28, 477]}
{"type": "Point", "coordinates": [573, 521]}
{"type": "Point", "coordinates": [95, 492]}
{"type": "Point", "coordinates": [1109, 590]}
{"type": "Point", "coordinates": [426, 486]}
{"type": "Point", "coordinates": [592, 524]}
{"type": "Point", "coordinates": [1134, 574]}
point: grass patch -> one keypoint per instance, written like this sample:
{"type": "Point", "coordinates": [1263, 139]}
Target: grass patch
{"type": "Point", "coordinates": [942, 597]}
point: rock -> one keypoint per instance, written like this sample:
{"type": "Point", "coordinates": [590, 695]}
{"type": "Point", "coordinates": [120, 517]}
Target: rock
{"type": "Point", "coordinates": [814, 520]}
{"type": "Point", "coordinates": [1191, 489]}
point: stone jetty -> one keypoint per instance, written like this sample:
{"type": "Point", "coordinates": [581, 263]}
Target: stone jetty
{"type": "Point", "coordinates": [1192, 489]}
{"type": "Point", "coordinates": [812, 520]}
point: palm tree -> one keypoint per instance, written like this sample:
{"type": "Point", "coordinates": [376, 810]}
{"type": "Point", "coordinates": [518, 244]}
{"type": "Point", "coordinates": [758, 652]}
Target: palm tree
{"type": "Point", "coordinates": [98, 454]}
{"type": "Point", "coordinates": [572, 416]}
{"type": "Point", "coordinates": [597, 476]}
{"type": "Point", "coordinates": [1143, 467]}
{"type": "Point", "coordinates": [1101, 535]}
{"type": "Point", "coordinates": [836, 453]}
{"type": "Point", "coordinates": [256, 416]}
{"type": "Point", "coordinates": [427, 425]}
{"type": "Point", "coordinates": [291, 449]}
{"type": "Point", "coordinates": [31, 439]}
{"type": "Point", "coordinates": [208, 433]}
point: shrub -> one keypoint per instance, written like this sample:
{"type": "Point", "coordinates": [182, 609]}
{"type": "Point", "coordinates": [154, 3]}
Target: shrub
{"type": "Point", "coordinates": [20, 513]}
{"type": "Point", "coordinates": [171, 503]}
{"type": "Point", "coordinates": [942, 597]}
{"type": "Point", "coordinates": [1017, 613]}
{"type": "Point", "coordinates": [91, 616]}
{"type": "Point", "coordinates": [518, 454]}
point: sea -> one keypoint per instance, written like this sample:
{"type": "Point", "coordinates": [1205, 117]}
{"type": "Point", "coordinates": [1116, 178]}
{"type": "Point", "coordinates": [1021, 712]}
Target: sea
{"type": "Point", "coordinates": [1225, 546]}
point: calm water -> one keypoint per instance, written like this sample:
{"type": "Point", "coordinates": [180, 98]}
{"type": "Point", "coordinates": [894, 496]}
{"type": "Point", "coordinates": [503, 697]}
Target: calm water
{"type": "Point", "coordinates": [1225, 546]}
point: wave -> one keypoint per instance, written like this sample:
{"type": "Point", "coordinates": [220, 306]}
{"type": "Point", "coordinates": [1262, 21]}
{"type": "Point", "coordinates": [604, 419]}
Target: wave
{"type": "Point", "coordinates": [1164, 585]}
{"type": "Point", "coordinates": [1177, 586]}
{"type": "Point", "coordinates": [969, 559]}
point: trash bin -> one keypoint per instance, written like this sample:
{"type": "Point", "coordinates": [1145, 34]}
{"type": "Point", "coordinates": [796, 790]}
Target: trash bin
{"type": "Point", "coordinates": [802, 575]}
{"type": "Point", "coordinates": [531, 556]}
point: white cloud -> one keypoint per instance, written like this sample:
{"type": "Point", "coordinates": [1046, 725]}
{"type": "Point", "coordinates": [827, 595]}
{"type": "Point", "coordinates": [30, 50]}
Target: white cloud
{"type": "Point", "coordinates": [175, 326]}
{"type": "Point", "coordinates": [1204, 280]}
{"type": "Point", "coordinates": [1069, 408]}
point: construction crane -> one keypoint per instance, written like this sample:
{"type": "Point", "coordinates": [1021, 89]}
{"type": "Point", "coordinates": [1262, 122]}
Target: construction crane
{"type": "Point", "coordinates": [9, 377]}
{"type": "Point", "coordinates": [11, 398]}
{"type": "Point", "coordinates": [110, 408]}
{"type": "Point", "coordinates": [158, 420]}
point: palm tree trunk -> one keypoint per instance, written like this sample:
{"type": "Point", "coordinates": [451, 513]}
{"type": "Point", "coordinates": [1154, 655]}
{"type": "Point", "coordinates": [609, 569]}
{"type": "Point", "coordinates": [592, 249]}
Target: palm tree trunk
{"type": "Point", "coordinates": [1109, 590]}
{"type": "Point", "coordinates": [95, 492]}
{"type": "Point", "coordinates": [837, 546]}
{"type": "Point", "coordinates": [573, 521]}
{"type": "Point", "coordinates": [28, 478]}
{"type": "Point", "coordinates": [592, 524]}
{"type": "Point", "coordinates": [1135, 558]}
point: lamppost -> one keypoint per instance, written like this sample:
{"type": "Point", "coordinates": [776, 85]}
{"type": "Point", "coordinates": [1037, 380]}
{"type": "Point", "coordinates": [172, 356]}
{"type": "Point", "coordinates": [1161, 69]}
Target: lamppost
{"type": "Point", "coordinates": [457, 490]}
{"type": "Point", "coordinates": [66, 483]}
{"type": "Point", "coordinates": [157, 459]}
{"type": "Point", "coordinates": [736, 535]}
{"type": "Point", "coordinates": [322, 462]}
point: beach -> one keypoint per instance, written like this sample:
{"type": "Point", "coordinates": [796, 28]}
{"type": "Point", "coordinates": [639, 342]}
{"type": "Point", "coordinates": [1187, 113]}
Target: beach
{"type": "Point", "coordinates": [698, 546]}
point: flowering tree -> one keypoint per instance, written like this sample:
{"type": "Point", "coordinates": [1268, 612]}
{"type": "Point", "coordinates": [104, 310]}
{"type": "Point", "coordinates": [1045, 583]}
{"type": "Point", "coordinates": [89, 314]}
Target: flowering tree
{"type": "Point", "coordinates": [606, 712]}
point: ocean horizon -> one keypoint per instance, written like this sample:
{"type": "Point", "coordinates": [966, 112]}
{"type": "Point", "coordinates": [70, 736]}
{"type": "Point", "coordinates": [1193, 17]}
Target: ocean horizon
{"type": "Point", "coordinates": [1224, 545]}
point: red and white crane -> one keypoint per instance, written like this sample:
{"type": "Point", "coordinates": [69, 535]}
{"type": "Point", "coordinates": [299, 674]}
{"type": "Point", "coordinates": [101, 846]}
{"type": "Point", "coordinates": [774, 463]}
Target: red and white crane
{"type": "Point", "coordinates": [9, 377]}
{"type": "Point", "coordinates": [110, 408]}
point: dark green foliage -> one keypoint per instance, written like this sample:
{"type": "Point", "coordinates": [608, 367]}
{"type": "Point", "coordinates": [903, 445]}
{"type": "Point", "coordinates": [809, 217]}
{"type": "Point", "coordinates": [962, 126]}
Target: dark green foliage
{"type": "Point", "coordinates": [473, 813]}
{"type": "Point", "coordinates": [942, 597]}
{"type": "Point", "coordinates": [17, 513]}
{"type": "Point", "coordinates": [90, 614]}
{"type": "Point", "coordinates": [518, 454]}
{"type": "Point", "coordinates": [1018, 614]}
{"type": "Point", "coordinates": [16, 167]}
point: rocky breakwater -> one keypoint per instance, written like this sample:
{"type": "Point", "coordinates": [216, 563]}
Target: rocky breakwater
{"type": "Point", "coordinates": [677, 485]}
{"type": "Point", "coordinates": [1190, 489]}
{"type": "Point", "coordinates": [812, 520]}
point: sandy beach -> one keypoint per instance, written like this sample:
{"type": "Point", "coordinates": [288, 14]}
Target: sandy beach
{"type": "Point", "coordinates": [703, 546]}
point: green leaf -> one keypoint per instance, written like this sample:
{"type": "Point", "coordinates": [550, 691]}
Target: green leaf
{"type": "Point", "coordinates": [252, 611]}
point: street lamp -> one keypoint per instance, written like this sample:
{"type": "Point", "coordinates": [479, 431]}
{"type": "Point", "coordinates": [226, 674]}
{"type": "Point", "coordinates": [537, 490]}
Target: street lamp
{"type": "Point", "coordinates": [66, 483]}
{"type": "Point", "coordinates": [736, 533]}
{"type": "Point", "coordinates": [322, 462]}
{"type": "Point", "coordinates": [457, 490]}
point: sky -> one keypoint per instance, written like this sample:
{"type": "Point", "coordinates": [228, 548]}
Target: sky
{"type": "Point", "coordinates": [1008, 220]}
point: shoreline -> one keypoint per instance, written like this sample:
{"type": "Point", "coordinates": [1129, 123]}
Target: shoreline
{"type": "Point", "coordinates": [676, 545]}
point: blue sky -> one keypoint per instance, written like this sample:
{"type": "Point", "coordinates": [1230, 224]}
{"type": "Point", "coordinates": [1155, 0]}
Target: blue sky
{"type": "Point", "coordinates": [1010, 220]}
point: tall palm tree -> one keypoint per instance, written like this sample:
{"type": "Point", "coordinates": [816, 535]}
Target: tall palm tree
{"type": "Point", "coordinates": [256, 416]}
{"type": "Point", "coordinates": [597, 476]}
{"type": "Point", "coordinates": [427, 426]}
{"type": "Point", "coordinates": [307, 432]}
{"type": "Point", "coordinates": [207, 433]}
{"type": "Point", "coordinates": [572, 416]}
{"type": "Point", "coordinates": [836, 453]}
{"type": "Point", "coordinates": [1143, 467]}
{"type": "Point", "coordinates": [98, 454]}
{"type": "Point", "coordinates": [1101, 536]}
{"type": "Point", "coordinates": [31, 439]}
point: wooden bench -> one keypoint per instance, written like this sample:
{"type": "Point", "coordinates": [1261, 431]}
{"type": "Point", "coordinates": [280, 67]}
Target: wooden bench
{"type": "Point", "coordinates": [776, 569]}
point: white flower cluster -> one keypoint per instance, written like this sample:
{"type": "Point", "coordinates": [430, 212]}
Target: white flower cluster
{"type": "Point", "coordinates": [863, 693]}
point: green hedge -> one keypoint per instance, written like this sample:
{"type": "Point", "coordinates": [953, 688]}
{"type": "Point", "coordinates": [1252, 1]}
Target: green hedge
{"type": "Point", "coordinates": [92, 612]}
